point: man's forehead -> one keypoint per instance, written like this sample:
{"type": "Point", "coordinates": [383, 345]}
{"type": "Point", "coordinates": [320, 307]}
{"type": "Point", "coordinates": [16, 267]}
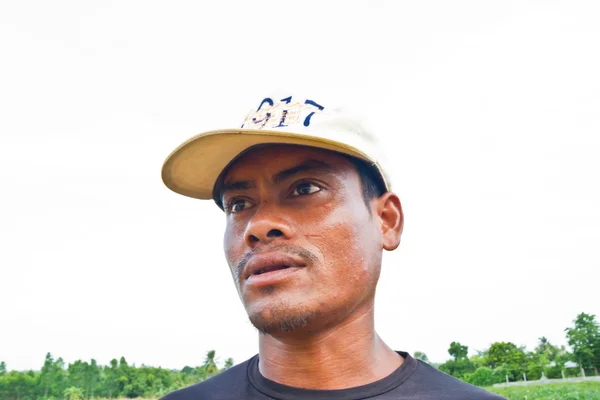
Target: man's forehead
{"type": "Point", "coordinates": [273, 158]}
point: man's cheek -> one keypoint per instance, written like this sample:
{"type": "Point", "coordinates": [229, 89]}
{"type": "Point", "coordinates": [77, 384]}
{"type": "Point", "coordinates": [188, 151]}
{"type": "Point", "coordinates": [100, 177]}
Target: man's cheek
{"type": "Point", "coordinates": [232, 257]}
{"type": "Point", "coordinates": [335, 248]}
{"type": "Point", "coordinates": [233, 243]}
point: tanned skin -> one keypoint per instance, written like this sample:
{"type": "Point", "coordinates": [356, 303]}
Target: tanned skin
{"type": "Point", "coordinates": [304, 207]}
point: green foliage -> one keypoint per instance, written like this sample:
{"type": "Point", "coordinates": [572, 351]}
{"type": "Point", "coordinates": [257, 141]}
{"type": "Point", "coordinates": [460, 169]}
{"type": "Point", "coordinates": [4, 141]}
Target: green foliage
{"type": "Point", "coordinates": [228, 363]}
{"type": "Point", "coordinates": [584, 338]}
{"type": "Point", "coordinates": [460, 365]}
{"type": "Point", "coordinates": [553, 391]}
{"type": "Point", "coordinates": [511, 358]}
{"type": "Point", "coordinates": [483, 376]}
{"type": "Point", "coordinates": [458, 351]}
{"type": "Point", "coordinates": [477, 361]}
{"type": "Point", "coordinates": [73, 393]}
{"type": "Point", "coordinates": [548, 360]}
{"type": "Point", "coordinates": [82, 380]}
{"type": "Point", "coordinates": [421, 356]}
{"type": "Point", "coordinates": [459, 369]}
{"type": "Point", "coordinates": [187, 370]}
{"type": "Point", "coordinates": [18, 385]}
{"type": "Point", "coordinates": [210, 366]}
{"type": "Point", "coordinates": [505, 360]}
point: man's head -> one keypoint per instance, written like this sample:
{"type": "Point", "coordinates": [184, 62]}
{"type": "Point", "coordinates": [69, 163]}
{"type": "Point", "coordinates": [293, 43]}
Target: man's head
{"type": "Point", "coordinates": [305, 232]}
{"type": "Point", "coordinates": [308, 204]}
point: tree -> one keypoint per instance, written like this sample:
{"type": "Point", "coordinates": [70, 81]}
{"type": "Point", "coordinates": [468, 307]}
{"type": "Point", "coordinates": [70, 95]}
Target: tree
{"type": "Point", "coordinates": [508, 356]}
{"type": "Point", "coordinates": [545, 347]}
{"type": "Point", "coordinates": [73, 393]}
{"type": "Point", "coordinates": [123, 376]}
{"type": "Point", "coordinates": [541, 357]}
{"type": "Point", "coordinates": [60, 377]}
{"type": "Point", "coordinates": [47, 374]}
{"type": "Point", "coordinates": [85, 380]}
{"type": "Point", "coordinates": [460, 365]}
{"type": "Point", "coordinates": [228, 364]}
{"type": "Point", "coordinates": [210, 365]}
{"type": "Point", "coordinates": [584, 338]}
{"type": "Point", "coordinates": [77, 374]}
{"type": "Point", "coordinates": [92, 377]}
{"type": "Point", "coordinates": [477, 360]}
{"type": "Point", "coordinates": [19, 385]}
{"type": "Point", "coordinates": [111, 375]}
{"type": "Point", "coordinates": [421, 356]}
{"type": "Point", "coordinates": [187, 370]}
{"type": "Point", "coordinates": [458, 351]}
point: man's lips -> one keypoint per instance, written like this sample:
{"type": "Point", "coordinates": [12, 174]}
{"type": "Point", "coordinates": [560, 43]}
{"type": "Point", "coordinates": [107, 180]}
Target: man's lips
{"type": "Point", "coordinates": [265, 263]}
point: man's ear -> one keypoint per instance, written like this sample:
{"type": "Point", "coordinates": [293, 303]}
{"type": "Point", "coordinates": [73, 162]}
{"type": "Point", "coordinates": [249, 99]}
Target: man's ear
{"type": "Point", "coordinates": [390, 213]}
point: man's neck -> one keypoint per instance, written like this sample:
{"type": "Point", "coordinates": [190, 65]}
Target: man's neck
{"type": "Point", "coordinates": [348, 355]}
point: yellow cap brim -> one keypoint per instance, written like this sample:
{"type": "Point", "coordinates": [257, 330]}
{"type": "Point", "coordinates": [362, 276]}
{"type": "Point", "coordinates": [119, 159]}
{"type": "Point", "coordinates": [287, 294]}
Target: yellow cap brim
{"type": "Point", "coordinates": [194, 167]}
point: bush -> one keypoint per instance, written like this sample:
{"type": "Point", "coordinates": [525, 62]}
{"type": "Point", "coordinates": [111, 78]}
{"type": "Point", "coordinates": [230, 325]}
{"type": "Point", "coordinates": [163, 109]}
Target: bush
{"type": "Point", "coordinates": [483, 376]}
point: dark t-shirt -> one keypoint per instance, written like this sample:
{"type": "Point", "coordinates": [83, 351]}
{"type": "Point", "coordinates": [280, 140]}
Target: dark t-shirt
{"type": "Point", "coordinates": [413, 380]}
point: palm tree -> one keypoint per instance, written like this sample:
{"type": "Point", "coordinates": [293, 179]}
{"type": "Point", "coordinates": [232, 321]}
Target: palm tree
{"type": "Point", "coordinates": [210, 366]}
{"type": "Point", "coordinates": [228, 364]}
{"type": "Point", "coordinates": [73, 393]}
{"type": "Point", "coordinates": [544, 346]}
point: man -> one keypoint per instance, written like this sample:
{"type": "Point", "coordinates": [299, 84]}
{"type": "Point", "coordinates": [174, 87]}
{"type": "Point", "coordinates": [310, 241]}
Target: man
{"type": "Point", "coordinates": [309, 212]}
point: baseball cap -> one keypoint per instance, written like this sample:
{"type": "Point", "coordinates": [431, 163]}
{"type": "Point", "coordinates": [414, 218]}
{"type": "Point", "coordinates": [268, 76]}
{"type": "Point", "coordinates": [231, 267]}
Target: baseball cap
{"type": "Point", "coordinates": [194, 168]}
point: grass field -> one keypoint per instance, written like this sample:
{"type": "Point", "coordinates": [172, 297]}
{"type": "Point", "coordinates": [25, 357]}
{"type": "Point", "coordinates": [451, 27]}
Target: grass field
{"type": "Point", "coordinates": [553, 391]}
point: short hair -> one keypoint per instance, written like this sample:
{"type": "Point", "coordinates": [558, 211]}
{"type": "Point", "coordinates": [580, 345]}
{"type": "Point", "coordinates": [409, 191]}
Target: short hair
{"type": "Point", "coordinates": [371, 182]}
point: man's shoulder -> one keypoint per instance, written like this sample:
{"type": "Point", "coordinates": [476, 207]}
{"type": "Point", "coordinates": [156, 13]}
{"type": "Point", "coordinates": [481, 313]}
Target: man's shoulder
{"type": "Point", "coordinates": [225, 385]}
{"type": "Point", "coordinates": [440, 385]}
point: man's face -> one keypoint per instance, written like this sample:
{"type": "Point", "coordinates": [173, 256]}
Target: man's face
{"type": "Point", "coordinates": [303, 248]}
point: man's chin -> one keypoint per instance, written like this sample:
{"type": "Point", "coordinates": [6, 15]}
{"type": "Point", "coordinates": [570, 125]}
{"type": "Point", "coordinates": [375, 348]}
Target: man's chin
{"type": "Point", "coordinates": [281, 319]}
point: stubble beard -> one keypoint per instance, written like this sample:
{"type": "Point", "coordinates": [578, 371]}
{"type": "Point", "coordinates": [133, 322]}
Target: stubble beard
{"type": "Point", "coordinates": [278, 317]}
{"type": "Point", "coordinates": [282, 318]}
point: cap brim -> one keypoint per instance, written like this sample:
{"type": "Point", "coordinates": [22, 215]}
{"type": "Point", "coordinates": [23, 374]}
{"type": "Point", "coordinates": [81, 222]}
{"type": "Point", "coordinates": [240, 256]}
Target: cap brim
{"type": "Point", "coordinates": [194, 167]}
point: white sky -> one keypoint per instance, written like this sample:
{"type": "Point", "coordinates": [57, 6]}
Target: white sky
{"type": "Point", "coordinates": [489, 111]}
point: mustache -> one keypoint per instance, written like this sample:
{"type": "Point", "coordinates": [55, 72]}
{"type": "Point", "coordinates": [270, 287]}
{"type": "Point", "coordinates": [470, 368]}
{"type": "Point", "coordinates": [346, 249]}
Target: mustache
{"type": "Point", "coordinates": [286, 248]}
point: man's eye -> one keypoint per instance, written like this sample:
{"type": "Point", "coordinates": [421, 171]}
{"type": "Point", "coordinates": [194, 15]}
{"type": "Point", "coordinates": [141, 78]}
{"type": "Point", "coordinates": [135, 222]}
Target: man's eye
{"type": "Point", "coordinates": [305, 188]}
{"type": "Point", "coordinates": [238, 205]}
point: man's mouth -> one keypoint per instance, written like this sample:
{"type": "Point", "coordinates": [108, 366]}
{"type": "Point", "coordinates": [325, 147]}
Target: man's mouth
{"type": "Point", "coordinates": [269, 268]}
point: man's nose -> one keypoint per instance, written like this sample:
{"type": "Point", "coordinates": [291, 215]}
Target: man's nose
{"type": "Point", "coordinates": [265, 227]}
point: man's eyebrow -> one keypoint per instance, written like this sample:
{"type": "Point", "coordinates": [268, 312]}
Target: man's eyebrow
{"type": "Point", "coordinates": [308, 165]}
{"type": "Point", "coordinates": [237, 185]}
